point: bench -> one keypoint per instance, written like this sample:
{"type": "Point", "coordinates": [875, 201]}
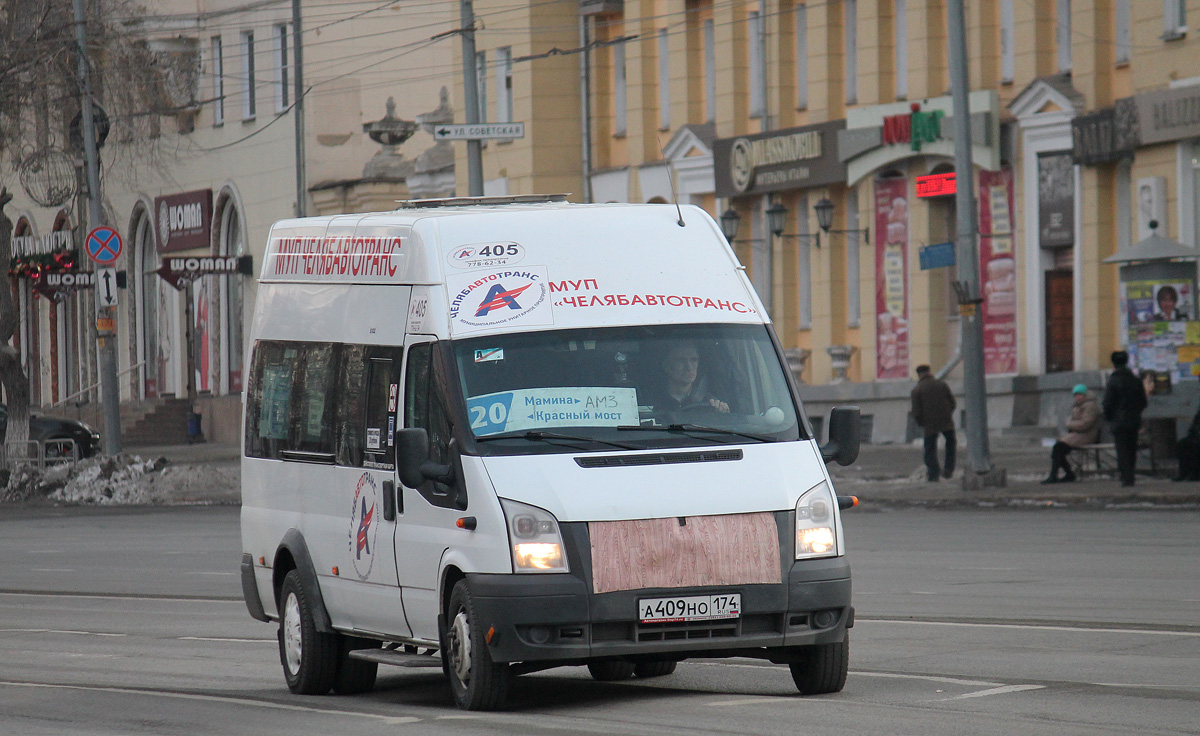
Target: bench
{"type": "Point", "coordinates": [1101, 458]}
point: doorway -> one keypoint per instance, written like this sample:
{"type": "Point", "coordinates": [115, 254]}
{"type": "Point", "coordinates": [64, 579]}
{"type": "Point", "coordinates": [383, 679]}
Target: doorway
{"type": "Point", "coordinates": [1060, 321]}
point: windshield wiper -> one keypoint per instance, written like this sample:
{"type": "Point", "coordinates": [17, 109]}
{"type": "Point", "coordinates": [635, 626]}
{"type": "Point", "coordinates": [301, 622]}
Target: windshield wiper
{"type": "Point", "coordinates": [684, 428]}
{"type": "Point", "coordinates": [537, 435]}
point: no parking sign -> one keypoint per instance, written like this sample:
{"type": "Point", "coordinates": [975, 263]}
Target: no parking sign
{"type": "Point", "coordinates": [104, 245]}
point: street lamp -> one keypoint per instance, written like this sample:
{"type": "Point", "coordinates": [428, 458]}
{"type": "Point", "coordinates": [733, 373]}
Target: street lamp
{"type": "Point", "coordinates": [824, 209]}
{"type": "Point", "coordinates": [776, 215]}
{"type": "Point", "coordinates": [729, 224]}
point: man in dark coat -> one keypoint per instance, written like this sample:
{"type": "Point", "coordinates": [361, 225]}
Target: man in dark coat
{"type": "Point", "coordinates": [1124, 400]}
{"type": "Point", "coordinates": [933, 409]}
{"type": "Point", "coordinates": [1189, 453]}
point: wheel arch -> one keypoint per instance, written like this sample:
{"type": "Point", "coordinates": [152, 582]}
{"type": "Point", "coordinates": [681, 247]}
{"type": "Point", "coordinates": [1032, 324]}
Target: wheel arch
{"type": "Point", "coordinates": [293, 554]}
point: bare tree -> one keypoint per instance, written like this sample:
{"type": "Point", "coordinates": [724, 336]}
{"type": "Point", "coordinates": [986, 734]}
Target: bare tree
{"type": "Point", "coordinates": [12, 376]}
{"type": "Point", "coordinates": [136, 79]}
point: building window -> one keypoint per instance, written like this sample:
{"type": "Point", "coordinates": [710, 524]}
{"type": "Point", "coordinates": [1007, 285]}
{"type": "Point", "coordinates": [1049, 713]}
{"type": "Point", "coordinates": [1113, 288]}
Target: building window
{"type": "Point", "coordinates": [218, 77]}
{"type": "Point", "coordinates": [249, 104]}
{"type": "Point", "coordinates": [758, 65]}
{"type": "Point", "coordinates": [1174, 19]}
{"type": "Point", "coordinates": [801, 57]}
{"type": "Point", "coordinates": [504, 88]}
{"type": "Point", "coordinates": [710, 72]}
{"type": "Point", "coordinates": [620, 90]}
{"type": "Point", "coordinates": [282, 97]}
{"type": "Point", "coordinates": [664, 80]}
{"type": "Point", "coordinates": [481, 84]}
{"type": "Point", "coordinates": [901, 31]}
{"type": "Point", "coordinates": [1062, 35]}
{"type": "Point", "coordinates": [1008, 58]}
{"type": "Point", "coordinates": [851, 20]}
{"type": "Point", "coordinates": [1122, 32]}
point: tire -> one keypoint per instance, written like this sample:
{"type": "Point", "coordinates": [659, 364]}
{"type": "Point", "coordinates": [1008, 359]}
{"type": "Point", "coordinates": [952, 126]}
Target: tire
{"type": "Point", "coordinates": [654, 669]}
{"type": "Point", "coordinates": [821, 668]}
{"type": "Point", "coordinates": [355, 676]}
{"type": "Point", "coordinates": [476, 682]}
{"type": "Point", "coordinates": [309, 657]}
{"type": "Point", "coordinates": [611, 670]}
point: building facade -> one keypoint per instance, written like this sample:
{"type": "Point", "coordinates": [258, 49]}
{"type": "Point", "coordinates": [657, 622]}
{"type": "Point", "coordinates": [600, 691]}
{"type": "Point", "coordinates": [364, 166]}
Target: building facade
{"type": "Point", "coordinates": [194, 208]}
{"type": "Point", "coordinates": [1083, 126]}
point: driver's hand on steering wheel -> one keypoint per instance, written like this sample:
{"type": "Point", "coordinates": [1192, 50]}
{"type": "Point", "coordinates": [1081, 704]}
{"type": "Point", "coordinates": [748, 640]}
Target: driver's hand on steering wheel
{"type": "Point", "coordinates": [719, 405]}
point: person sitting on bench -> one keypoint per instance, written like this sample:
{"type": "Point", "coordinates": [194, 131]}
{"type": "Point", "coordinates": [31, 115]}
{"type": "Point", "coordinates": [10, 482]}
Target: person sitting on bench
{"type": "Point", "coordinates": [1083, 429]}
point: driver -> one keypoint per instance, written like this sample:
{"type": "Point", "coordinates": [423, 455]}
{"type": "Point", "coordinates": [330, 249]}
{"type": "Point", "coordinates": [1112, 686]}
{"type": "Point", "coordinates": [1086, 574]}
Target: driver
{"type": "Point", "coordinates": [683, 386]}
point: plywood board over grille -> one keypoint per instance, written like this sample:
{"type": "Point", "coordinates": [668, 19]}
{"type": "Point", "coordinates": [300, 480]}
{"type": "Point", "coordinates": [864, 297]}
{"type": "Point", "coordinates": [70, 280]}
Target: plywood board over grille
{"type": "Point", "coordinates": [733, 549]}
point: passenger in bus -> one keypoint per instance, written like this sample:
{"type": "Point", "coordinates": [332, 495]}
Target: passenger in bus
{"type": "Point", "coordinates": [682, 386]}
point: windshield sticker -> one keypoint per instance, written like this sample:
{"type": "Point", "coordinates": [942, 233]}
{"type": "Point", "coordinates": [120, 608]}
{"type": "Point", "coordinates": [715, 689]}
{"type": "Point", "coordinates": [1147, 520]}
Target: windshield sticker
{"type": "Point", "coordinates": [487, 356]}
{"type": "Point", "coordinates": [502, 298]}
{"type": "Point", "coordinates": [537, 408]}
{"type": "Point", "coordinates": [486, 255]}
{"type": "Point", "coordinates": [363, 526]}
{"type": "Point", "coordinates": [373, 434]}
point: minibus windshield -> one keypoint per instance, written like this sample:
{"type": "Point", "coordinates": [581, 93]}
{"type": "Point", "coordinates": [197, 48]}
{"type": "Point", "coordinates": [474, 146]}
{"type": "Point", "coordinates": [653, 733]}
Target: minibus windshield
{"type": "Point", "coordinates": [642, 386]}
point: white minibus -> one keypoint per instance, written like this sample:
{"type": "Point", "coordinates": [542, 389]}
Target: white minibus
{"type": "Point", "coordinates": [499, 435]}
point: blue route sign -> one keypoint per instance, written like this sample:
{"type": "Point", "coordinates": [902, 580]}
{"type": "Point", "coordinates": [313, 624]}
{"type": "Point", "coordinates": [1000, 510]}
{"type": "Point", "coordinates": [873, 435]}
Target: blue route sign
{"type": "Point", "coordinates": [103, 245]}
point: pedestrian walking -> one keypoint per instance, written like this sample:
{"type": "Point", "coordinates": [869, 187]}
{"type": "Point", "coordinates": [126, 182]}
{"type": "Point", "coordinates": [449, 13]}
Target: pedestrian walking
{"type": "Point", "coordinates": [1124, 401]}
{"type": "Point", "coordinates": [933, 407]}
{"type": "Point", "coordinates": [1083, 428]}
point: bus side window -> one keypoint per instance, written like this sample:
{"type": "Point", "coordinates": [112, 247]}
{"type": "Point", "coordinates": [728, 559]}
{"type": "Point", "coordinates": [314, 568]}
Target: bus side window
{"type": "Point", "coordinates": [379, 427]}
{"type": "Point", "coordinates": [269, 398]}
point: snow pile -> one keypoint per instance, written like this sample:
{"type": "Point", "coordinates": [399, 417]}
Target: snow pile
{"type": "Point", "coordinates": [121, 479]}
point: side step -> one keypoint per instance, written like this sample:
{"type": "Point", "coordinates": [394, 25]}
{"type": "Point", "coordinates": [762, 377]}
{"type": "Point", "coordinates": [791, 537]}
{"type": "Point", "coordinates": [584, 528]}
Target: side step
{"type": "Point", "coordinates": [399, 658]}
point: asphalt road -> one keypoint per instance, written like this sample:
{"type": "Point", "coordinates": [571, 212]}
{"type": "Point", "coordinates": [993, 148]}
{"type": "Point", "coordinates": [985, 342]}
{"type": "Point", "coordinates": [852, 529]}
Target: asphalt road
{"type": "Point", "coordinates": [1051, 622]}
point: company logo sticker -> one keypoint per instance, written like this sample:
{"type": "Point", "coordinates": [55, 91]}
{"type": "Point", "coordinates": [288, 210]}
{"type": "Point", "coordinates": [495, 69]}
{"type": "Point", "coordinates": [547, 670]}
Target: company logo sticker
{"type": "Point", "coordinates": [500, 298]}
{"type": "Point", "coordinates": [486, 255]}
{"type": "Point", "coordinates": [364, 527]}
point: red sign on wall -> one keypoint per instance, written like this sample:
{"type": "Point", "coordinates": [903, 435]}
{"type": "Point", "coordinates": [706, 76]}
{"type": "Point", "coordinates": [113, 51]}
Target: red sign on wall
{"type": "Point", "coordinates": [891, 278]}
{"type": "Point", "coordinates": [184, 220]}
{"type": "Point", "coordinates": [936, 185]}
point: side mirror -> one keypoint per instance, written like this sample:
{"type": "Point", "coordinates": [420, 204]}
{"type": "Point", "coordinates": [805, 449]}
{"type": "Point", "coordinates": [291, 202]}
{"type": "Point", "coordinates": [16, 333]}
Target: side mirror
{"type": "Point", "coordinates": [412, 460]}
{"type": "Point", "coordinates": [412, 450]}
{"type": "Point", "coordinates": [843, 436]}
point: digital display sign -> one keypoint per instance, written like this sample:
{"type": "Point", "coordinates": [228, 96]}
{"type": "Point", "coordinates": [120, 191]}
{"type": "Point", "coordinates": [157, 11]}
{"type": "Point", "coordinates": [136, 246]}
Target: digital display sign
{"type": "Point", "coordinates": [936, 185]}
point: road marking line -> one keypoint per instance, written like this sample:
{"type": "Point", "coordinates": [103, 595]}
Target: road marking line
{"type": "Point", "coordinates": [928, 678]}
{"type": "Point", "coordinates": [759, 700]}
{"type": "Point", "coordinates": [57, 631]}
{"type": "Point", "coordinates": [996, 691]}
{"type": "Point", "coordinates": [219, 638]}
{"type": "Point", "coordinates": [1041, 627]}
{"type": "Point", "coordinates": [215, 699]}
{"type": "Point", "coordinates": [856, 673]}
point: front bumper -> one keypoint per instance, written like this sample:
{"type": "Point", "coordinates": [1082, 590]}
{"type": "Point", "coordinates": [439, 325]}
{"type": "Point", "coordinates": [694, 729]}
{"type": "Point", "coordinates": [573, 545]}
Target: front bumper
{"type": "Point", "coordinates": [556, 618]}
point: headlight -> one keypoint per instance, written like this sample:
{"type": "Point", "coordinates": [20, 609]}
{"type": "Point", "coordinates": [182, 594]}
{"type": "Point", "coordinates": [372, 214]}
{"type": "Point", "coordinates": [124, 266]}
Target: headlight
{"type": "Point", "coordinates": [534, 538]}
{"type": "Point", "coordinates": [816, 524]}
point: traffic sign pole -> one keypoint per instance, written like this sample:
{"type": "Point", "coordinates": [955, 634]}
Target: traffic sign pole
{"type": "Point", "coordinates": [105, 340]}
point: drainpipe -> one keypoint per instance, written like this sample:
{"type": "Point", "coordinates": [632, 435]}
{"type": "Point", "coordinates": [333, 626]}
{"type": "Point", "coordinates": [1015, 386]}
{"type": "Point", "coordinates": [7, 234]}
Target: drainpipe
{"type": "Point", "coordinates": [954, 359]}
{"type": "Point", "coordinates": [585, 107]}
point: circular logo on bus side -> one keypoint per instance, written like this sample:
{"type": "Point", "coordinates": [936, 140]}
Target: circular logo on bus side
{"type": "Point", "coordinates": [364, 526]}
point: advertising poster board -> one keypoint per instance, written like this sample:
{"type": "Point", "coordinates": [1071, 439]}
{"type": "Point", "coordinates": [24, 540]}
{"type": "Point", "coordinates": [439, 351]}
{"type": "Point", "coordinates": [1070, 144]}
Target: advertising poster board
{"type": "Point", "coordinates": [998, 272]}
{"type": "Point", "coordinates": [891, 278]}
{"type": "Point", "coordinates": [1164, 334]}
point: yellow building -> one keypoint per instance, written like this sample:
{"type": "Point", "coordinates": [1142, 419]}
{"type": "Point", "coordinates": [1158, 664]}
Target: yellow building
{"type": "Point", "coordinates": [772, 107]}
